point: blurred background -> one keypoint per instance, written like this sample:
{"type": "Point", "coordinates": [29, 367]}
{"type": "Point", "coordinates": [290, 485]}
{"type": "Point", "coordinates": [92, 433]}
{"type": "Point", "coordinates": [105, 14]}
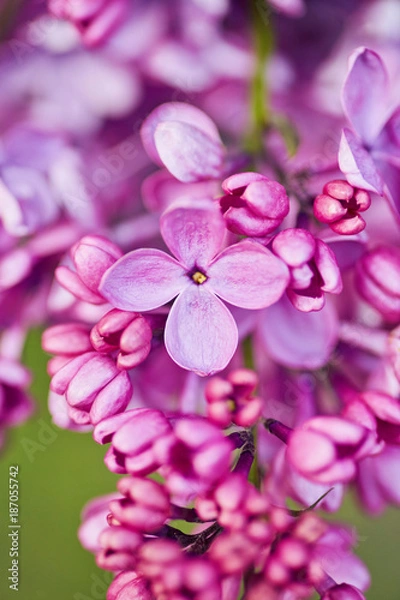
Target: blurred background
{"type": "Point", "coordinates": [59, 471]}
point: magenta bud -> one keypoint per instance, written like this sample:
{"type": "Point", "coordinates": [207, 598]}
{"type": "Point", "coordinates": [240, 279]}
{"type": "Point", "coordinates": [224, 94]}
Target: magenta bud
{"type": "Point", "coordinates": [253, 204]}
{"type": "Point", "coordinates": [92, 256]}
{"type": "Point", "coordinates": [128, 332]}
{"type": "Point", "coordinates": [120, 546]}
{"type": "Point", "coordinates": [67, 339]}
{"type": "Point", "coordinates": [339, 205]}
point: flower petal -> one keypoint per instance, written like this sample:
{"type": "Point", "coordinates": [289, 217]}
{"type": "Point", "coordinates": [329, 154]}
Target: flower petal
{"type": "Point", "coordinates": [284, 329]}
{"type": "Point", "coordinates": [365, 93]}
{"type": "Point", "coordinates": [356, 163]}
{"type": "Point", "coordinates": [175, 111]}
{"type": "Point", "coordinates": [193, 232]}
{"type": "Point", "coordinates": [188, 153]}
{"type": "Point", "coordinates": [248, 275]}
{"type": "Point", "coordinates": [200, 334]}
{"type": "Point", "coordinates": [142, 280]}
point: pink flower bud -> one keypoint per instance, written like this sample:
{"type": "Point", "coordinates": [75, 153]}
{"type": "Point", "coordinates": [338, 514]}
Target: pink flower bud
{"type": "Point", "coordinates": [339, 205]}
{"type": "Point", "coordinates": [128, 332]}
{"type": "Point", "coordinates": [313, 268]}
{"type": "Point", "coordinates": [93, 385]}
{"type": "Point", "coordinates": [145, 507]}
{"type": "Point", "coordinates": [229, 400]}
{"type": "Point", "coordinates": [377, 280]}
{"type": "Point", "coordinates": [129, 584]}
{"type": "Point", "coordinates": [92, 256]}
{"type": "Point", "coordinates": [253, 205]}
{"type": "Point", "coordinates": [67, 339]}
{"type": "Point", "coordinates": [119, 548]}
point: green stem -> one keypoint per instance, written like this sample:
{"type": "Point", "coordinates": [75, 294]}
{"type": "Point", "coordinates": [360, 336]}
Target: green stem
{"type": "Point", "coordinates": [263, 45]}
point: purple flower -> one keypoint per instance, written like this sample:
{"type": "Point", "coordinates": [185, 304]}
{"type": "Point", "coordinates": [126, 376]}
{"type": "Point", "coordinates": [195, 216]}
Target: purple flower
{"type": "Point", "coordinates": [185, 140]}
{"type": "Point", "coordinates": [370, 157]}
{"type": "Point", "coordinates": [313, 268]}
{"type": "Point", "coordinates": [200, 333]}
{"type": "Point", "coordinates": [253, 205]}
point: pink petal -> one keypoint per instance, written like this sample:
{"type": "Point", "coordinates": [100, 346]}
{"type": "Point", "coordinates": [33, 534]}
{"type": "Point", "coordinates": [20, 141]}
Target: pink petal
{"type": "Point", "coordinates": [188, 153]}
{"type": "Point", "coordinates": [328, 268]}
{"type": "Point", "coordinates": [193, 232]}
{"type": "Point", "coordinates": [248, 275]}
{"type": "Point", "coordinates": [285, 329]}
{"type": "Point", "coordinates": [310, 452]}
{"type": "Point", "coordinates": [142, 280]}
{"type": "Point", "coordinates": [365, 93]}
{"type": "Point", "coordinates": [112, 399]}
{"type": "Point", "coordinates": [175, 111]}
{"type": "Point", "coordinates": [356, 163]}
{"type": "Point", "coordinates": [201, 334]}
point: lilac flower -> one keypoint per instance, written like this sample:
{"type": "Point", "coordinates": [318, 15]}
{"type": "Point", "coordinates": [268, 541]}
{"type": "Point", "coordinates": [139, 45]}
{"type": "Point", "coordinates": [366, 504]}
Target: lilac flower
{"type": "Point", "coordinates": [200, 332]}
{"type": "Point", "coordinates": [145, 505]}
{"type": "Point", "coordinates": [313, 268]}
{"type": "Point", "coordinates": [253, 205]}
{"type": "Point", "coordinates": [339, 205]}
{"type": "Point", "coordinates": [369, 157]}
{"type": "Point", "coordinates": [185, 140]}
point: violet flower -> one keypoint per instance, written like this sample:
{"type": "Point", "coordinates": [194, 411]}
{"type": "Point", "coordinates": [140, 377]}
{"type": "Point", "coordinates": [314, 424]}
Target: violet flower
{"type": "Point", "coordinates": [370, 157]}
{"type": "Point", "coordinates": [200, 333]}
{"type": "Point", "coordinates": [185, 140]}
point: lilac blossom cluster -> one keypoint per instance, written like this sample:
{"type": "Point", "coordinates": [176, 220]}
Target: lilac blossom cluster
{"type": "Point", "coordinates": [219, 277]}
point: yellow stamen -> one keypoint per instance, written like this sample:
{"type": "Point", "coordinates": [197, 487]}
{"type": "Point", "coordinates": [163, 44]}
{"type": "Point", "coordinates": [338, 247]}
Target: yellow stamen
{"type": "Point", "coordinates": [199, 277]}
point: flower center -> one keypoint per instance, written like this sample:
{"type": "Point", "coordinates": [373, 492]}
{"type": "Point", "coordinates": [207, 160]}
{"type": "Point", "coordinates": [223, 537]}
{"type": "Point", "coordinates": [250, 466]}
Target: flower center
{"type": "Point", "coordinates": [199, 277]}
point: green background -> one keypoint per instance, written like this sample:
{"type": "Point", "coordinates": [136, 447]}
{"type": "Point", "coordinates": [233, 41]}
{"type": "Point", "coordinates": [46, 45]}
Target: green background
{"type": "Point", "coordinates": [59, 471]}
